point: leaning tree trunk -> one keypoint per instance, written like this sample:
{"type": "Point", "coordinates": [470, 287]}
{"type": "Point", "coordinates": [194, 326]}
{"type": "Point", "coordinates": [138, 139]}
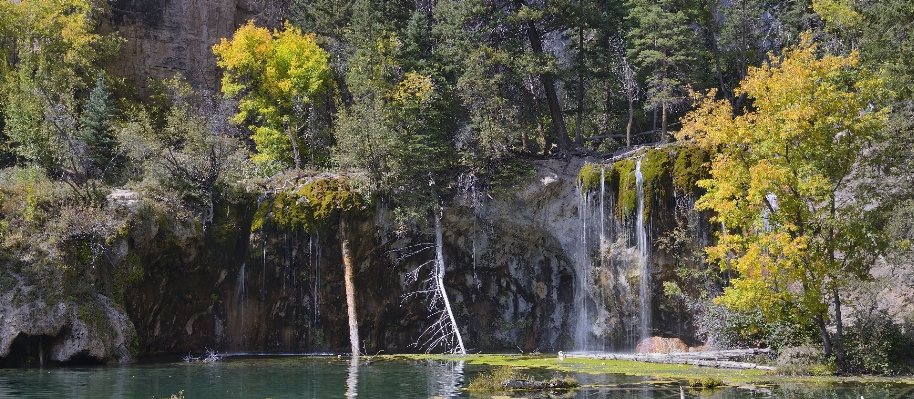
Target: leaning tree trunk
{"type": "Point", "coordinates": [823, 332]}
{"type": "Point", "coordinates": [350, 290]}
{"type": "Point", "coordinates": [439, 279]}
{"type": "Point", "coordinates": [548, 81]}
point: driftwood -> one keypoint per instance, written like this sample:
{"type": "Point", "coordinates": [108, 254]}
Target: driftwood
{"type": "Point", "coordinates": [719, 359]}
{"type": "Point", "coordinates": [534, 384]}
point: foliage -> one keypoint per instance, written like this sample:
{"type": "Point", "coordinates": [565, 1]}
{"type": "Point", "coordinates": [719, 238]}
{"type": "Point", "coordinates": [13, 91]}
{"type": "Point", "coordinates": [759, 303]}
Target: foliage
{"type": "Point", "coordinates": [494, 381]}
{"type": "Point", "coordinates": [663, 45]}
{"type": "Point", "coordinates": [50, 54]}
{"type": "Point", "coordinates": [196, 151]}
{"type": "Point", "coordinates": [727, 328]}
{"type": "Point", "coordinates": [283, 83]}
{"type": "Point", "coordinates": [775, 181]}
{"type": "Point", "coordinates": [312, 205]}
{"type": "Point", "coordinates": [877, 344]}
{"type": "Point", "coordinates": [805, 360]}
{"type": "Point", "coordinates": [706, 382]}
{"type": "Point", "coordinates": [506, 378]}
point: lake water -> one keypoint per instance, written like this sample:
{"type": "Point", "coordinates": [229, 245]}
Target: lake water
{"type": "Point", "coordinates": [330, 377]}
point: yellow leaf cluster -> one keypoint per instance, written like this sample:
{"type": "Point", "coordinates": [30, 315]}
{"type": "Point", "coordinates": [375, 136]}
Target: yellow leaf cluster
{"type": "Point", "coordinates": [271, 74]}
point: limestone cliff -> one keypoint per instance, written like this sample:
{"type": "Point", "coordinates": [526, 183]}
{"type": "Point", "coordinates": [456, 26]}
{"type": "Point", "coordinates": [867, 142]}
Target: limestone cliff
{"type": "Point", "coordinates": [164, 37]}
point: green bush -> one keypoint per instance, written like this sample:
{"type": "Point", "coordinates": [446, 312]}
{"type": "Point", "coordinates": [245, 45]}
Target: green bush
{"type": "Point", "coordinates": [875, 343]}
{"type": "Point", "coordinates": [706, 382]}
{"type": "Point", "coordinates": [729, 328]}
{"type": "Point", "coordinates": [805, 360]}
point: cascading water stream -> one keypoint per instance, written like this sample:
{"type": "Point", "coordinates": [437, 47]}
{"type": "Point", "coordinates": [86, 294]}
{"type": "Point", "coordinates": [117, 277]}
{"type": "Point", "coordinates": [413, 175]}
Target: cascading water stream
{"type": "Point", "coordinates": [582, 327]}
{"type": "Point", "coordinates": [240, 303]}
{"type": "Point", "coordinates": [643, 252]}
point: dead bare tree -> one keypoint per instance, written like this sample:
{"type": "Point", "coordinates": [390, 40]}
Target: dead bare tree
{"type": "Point", "coordinates": [429, 277]}
{"type": "Point", "coordinates": [627, 74]}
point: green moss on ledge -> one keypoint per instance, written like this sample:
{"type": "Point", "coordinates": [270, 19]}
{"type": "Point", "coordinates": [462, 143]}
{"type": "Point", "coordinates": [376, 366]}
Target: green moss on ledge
{"type": "Point", "coordinates": [690, 166]}
{"type": "Point", "coordinates": [311, 205]}
{"type": "Point", "coordinates": [663, 171]}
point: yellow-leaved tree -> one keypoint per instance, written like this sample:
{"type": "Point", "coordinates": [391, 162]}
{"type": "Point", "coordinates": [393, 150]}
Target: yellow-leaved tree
{"type": "Point", "coordinates": [284, 86]}
{"type": "Point", "coordinates": [783, 185]}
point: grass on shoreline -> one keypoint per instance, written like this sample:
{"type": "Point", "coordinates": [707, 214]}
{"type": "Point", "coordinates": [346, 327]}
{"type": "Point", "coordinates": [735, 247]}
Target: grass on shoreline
{"type": "Point", "coordinates": [644, 369]}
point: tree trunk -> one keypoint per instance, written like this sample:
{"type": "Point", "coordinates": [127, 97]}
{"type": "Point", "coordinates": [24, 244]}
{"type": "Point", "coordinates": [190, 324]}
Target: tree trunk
{"type": "Point", "coordinates": [631, 118]}
{"type": "Point", "coordinates": [607, 115]}
{"type": "Point", "coordinates": [548, 82]}
{"type": "Point", "coordinates": [663, 124]}
{"type": "Point", "coordinates": [439, 278]}
{"type": "Point", "coordinates": [839, 327]}
{"type": "Point", "coordinates": [823, 331]}
{"type": "Point", "coordinates": [578, 137]}
{"type": "Point", "coordinates": [350, 289]}
{"type": "Point", "coordinates": [295, 154]}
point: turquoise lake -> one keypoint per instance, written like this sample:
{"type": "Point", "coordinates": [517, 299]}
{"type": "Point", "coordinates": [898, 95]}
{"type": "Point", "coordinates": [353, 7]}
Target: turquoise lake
{"type": "Point", "coordinates": [332, 377]}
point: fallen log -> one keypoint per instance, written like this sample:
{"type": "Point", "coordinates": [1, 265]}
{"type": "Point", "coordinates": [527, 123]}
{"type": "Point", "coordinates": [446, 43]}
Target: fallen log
{"type": "Point", "coordinates": [717, 359]}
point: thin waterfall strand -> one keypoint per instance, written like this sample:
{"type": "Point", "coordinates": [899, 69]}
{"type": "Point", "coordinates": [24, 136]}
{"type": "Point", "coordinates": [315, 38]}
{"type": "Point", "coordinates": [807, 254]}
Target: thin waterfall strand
{"type": "Point", "coordinates": [644, 294]}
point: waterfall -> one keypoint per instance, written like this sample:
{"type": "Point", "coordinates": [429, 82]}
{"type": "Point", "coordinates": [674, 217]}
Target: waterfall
{"type": "Point", "coordinates": [602, 216]}
{"type": "Point", "coordinates": [643, 251]}
{"type": "Point", "coordinates": [582, 327]}
{"type": "Point", "coordinates": [240, 297]}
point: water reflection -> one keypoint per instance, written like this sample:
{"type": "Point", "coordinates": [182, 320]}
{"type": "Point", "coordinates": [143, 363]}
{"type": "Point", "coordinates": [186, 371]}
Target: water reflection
{"type": "Point", "coordinates": [352, 380]}
{"type": "Point", "coordinates": [445, 378]}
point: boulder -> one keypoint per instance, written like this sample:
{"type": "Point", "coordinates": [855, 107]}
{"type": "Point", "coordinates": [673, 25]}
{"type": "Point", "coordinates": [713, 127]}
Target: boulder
{"type": "Point", "coordinates": [661, 345]}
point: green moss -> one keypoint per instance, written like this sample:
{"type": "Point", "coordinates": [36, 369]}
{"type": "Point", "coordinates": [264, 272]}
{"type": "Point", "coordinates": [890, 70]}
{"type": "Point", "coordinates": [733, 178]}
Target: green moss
{"type": "Point", "coordinates": [655, 169]}
{"type": "Point", "coordinates": [625, 170]}
{"type": "Point", "coordinates": [589, 177]}
{"type": "Point", "coordinates": [690, 166]}
{"type": "Point", "coordinates": [311, 206]}
{"type": "Point", "coordinates": [654, 370]}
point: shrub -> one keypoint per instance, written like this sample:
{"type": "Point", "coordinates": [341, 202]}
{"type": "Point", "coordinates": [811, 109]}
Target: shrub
{"type": "Point", "coordinates": [731, 328]}
{"type": "Point", "coordinates": [805, 360]}
{"type": "Point", "coordinates": [706, 382]}
{"type": "Point", "coordinates": [875, 343]}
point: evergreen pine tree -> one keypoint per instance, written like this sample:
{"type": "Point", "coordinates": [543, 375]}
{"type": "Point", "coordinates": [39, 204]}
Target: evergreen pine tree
{"type": "Point", "coordinates": [95, 131]}
{"type": "Point", "coordinates": [662, 45]}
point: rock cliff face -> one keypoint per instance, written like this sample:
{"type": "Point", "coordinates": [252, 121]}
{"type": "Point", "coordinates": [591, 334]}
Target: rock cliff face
{"type": "Point", "coordinates": [165, 37]}
{"type": "Point", "coordinates": [529, 270]}
{"type": "Point", "coordinates": [508, 277]}
{"type": "Point", "coordinates": [35, 332]}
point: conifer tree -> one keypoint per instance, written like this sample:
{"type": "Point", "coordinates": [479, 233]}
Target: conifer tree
{"type": "Point", "coordinates": [95, 131]}
{"type": "Point", "coordinates": [663, 46]}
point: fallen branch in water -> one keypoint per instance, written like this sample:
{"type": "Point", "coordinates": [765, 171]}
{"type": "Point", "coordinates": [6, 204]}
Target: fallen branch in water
{"type": "Point", "coordinates": [211, 357]}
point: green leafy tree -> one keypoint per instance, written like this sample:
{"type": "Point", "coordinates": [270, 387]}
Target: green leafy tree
{"type": "Point", "coordinates": [50, 53]}
{"type": "Point", "coordinates": [778, 184]}
{"type": "Point", "coordinates": [283, 83]}
{"type": "Point", "coordinates": [327, 18]}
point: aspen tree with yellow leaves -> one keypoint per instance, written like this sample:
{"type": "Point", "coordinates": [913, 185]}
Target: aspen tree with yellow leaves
{"type": "Point", "coordinates": [283, 83]}
{"type": "Point", "coordinates": [782, 184]}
